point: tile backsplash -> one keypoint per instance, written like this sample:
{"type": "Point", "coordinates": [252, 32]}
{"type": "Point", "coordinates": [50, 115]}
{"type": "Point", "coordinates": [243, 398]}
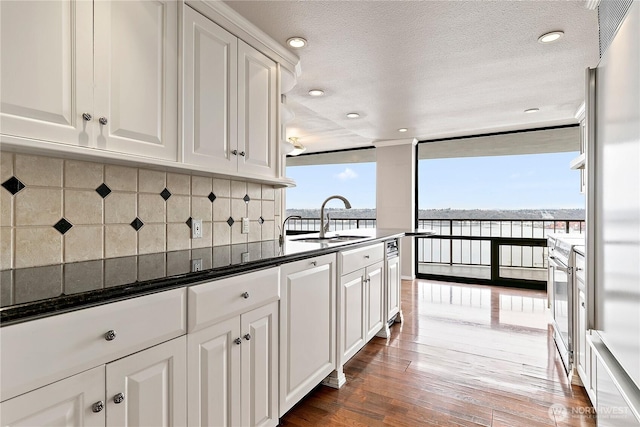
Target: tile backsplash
{"type": "Point", "coordinates": [54, 210]}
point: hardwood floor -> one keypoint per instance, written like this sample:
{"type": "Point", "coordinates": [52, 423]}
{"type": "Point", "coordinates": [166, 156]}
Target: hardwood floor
{"type": "Point", "coordinates": [465, 356]}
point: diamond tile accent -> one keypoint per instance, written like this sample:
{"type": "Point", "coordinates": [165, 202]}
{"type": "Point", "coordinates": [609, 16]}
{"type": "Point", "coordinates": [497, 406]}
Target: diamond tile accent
{"type": "Point", "coordinates": [189, 221]}
{"type": "Point", "coordinates": [62, 226]}
{"type": "Point", "coordinates": [13, 185]}
{"type": "Point", "coordinates": [137, 224]}
{"type": "Point", "coordinates": [165, 194]}
{"type": "Point", "coordinates": [261, 220]}
{"type": "Point", "coordinates": [212, 197]}
{"type": "Point", "coordinates": [230, 221]}
{"type": "Point", "coordinates": [103, 190]}
{"type": "Point", "coordinates": [246, 198]}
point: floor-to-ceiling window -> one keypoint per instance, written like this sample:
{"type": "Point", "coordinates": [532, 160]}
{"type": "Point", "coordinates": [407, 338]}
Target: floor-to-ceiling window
{"type": "Point", "coordinates": [492, 202]}
{"type": "Point", "coordinates": [319, 176]}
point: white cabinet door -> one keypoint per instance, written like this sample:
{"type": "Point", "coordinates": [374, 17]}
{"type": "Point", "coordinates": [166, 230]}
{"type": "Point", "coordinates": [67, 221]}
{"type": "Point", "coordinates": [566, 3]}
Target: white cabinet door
{"type": "Point", "coordinates": [307, 327]}
{"type": "Point", "coordinates": [210, 93]}
{"type": "Point", "coordinates": [69, 402]}
{"type": "Point", "coordinates": [46, 69]}
{"type": "Point", "coordinates": [149, 388]}
{"type": "Point", "coordinates": [393, 287]}
{"type": "Point", "coordinates": [352, 314]}
{"type": "Point", "coordinates": [375, 300]}
{"type": "Point", "coordinates": [214, 375]}
{"type": "Point", "coordinates": [257, 103]}
{"type": "Point", "coordinates": [136, 77]}
{"type": "Point", "coordinates": [259, 366]}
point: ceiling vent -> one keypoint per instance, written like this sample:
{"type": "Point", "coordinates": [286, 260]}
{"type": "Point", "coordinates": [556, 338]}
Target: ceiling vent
{"type": "Point", "coordinates": [611, 13]}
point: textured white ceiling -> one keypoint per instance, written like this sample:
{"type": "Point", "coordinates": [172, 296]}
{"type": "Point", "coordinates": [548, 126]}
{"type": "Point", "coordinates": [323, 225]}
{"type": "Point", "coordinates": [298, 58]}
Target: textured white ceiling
{"type": "Point", "coordinates": [438, 68]}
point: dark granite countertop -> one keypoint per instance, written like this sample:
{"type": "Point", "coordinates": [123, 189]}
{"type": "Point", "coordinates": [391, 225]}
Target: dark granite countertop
{"type": "Point", "coordinates": [35, 292]}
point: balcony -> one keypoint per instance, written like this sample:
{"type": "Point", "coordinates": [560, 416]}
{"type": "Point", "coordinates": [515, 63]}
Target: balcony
{"type": "Point", "coordinates": [510, 252]}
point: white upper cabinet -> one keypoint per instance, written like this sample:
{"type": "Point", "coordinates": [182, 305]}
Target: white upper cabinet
{"type": "Point", "coordinates": [46, 70]}
{"type": "Point", "coordinates": [93, 74]}
{"type": "Point", "coordinates": [230, 102]}
{"type": "Point", "coordinates": [136, 77]}
{"type": "Point", "coordinates": [210, 93]}
{"type": "Point", "coordinates": [257, 103]}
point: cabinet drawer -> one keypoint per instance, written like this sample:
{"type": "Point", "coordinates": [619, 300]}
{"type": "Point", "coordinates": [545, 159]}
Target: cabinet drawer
{"type": "Point", "coordinates": [41, 351]}
{"type": "Point", "coordinates": [358, 258]}
{"type": "Point", "coordinates": [217, 300]}
{"type": "Point", "coordinates": [580, 268]}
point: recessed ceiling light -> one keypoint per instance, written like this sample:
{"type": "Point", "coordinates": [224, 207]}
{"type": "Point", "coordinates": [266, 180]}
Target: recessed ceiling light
{"type": "Point", "coordinates": [532, 110]}
{"type": "Point", "coordinates": [353, 115]}
{"type": "Point", "coordinates": [550, 37]}
{"type": "Point", "coordinates": [297, 42]}
{"type": "Point", "coordinates": [316, 92]}
{"type": "Point", "coordinates": [403, 130]}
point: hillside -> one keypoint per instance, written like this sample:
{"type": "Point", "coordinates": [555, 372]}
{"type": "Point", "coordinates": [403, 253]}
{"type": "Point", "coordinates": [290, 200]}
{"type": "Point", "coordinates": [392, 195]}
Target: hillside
{"type": "Point", "coordinates": [560, 214]}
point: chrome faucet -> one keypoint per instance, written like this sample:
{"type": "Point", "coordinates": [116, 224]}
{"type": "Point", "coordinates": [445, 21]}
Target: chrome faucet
{"type": "Point", "coordinates": [283, 230]}
{"type": "Point", "coordinates": [322, 225]}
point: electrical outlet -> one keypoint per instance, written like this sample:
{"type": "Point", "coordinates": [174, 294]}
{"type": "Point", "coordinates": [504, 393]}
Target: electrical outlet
{"type": "Point", "coordinates": [245, 225]}
{"type": "Point", "coordinates": [244, 257]}
{"type": "Point", "coordinates": [196, 228]}
{"type": "Point", "coordinates": [196, 264]}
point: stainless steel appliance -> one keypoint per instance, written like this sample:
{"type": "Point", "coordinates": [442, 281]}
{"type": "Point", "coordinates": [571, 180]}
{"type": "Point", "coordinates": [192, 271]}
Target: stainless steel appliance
{"type": "Point", "coordinates": [561, 266]}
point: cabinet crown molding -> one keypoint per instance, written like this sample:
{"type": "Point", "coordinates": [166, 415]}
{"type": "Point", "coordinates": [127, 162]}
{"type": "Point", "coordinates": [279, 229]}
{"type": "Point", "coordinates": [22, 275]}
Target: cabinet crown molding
{"type": "Point", "coordinates": [232, 21]}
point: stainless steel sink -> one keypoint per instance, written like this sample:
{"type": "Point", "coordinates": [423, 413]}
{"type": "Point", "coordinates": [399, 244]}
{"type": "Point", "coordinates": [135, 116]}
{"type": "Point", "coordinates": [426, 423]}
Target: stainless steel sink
{"type": "Point", "coordinates": [334, 239]}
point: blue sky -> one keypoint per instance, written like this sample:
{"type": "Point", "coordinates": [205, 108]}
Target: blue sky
{"type": "Point", "coordinates": [497, 182]}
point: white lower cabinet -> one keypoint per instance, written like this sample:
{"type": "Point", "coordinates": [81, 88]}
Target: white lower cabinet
{"type": "Point", "coordinates": [146, 388]}
{"type": "Point", "coordinates": [69, 402]}
{"type": "Point", "coordinates": [149, 388]}
{"type": "Point", "coordinates": [307, 326]}
{"type": "Point", "coordinates": [232, 371]}
{"type": "Point", "coordinates": [394, 288]}
{"type": "Point", "coordinates": [361, 308]}
{"type": "Point", "coordinates": [232, 351]}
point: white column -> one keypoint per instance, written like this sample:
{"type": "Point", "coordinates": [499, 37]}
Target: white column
{"type": "Point", "coordinates": [395, 194]}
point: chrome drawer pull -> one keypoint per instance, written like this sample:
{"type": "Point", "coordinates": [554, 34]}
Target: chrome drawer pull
{"type": "Point", "coordinates": [245, 295]}
{"type": "Point", "coordinates": [110, 335]}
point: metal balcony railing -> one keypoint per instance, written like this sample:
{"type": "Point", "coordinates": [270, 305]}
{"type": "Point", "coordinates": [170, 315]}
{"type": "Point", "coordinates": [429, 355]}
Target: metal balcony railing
{"type": "Point", "coordinates": [508, 250]}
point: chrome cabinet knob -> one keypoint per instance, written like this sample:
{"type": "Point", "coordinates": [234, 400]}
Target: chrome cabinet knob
{"type": "Point", "coordinates": [247, 337]}
{"type": "Point", "coordinates": [366, 257]}
{"type": "Point", "coordinates": [242, 153]}
{"type": "Point", "coordinates": [583, 304]}
{"type": "Point", "coordinates": [118, 398]}
{"type": "Point", "coordinates": [110, 335]}
{"type": "Point", "coordinates": [86, 117]}
{"type": "Point", "coordinates": [234, 152]}
{"type": "Point", "coordinates": [238, 341]}
{"type": "Point", "coordinates": [245, 295]}
{"type": "Point", "coordinates": [98, 406]}
{"type": "Point", "coordinates": [103, 120]}
{"type": "Point", "coordinates": [314, 263]}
